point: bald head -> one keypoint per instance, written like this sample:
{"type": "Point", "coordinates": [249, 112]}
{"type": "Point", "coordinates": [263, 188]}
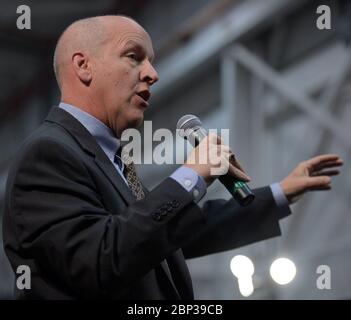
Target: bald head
{"type": "Point", "coordinates": [103, 66]}
{"type": "Point", "coordinates": [86, 35]}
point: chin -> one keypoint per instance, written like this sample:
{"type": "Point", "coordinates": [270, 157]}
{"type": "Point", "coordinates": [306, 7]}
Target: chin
{"type": "Point", "coordinates": [136, 122]}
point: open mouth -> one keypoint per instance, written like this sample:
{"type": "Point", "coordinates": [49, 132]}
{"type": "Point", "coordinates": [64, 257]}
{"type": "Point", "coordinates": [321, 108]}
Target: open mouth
{"type": "Point", "coordinates": [144, 96]}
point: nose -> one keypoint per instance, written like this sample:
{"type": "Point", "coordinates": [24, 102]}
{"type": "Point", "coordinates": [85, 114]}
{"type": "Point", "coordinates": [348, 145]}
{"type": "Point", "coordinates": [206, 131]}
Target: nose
{"type": "Point", "coordinates": [148, 73]}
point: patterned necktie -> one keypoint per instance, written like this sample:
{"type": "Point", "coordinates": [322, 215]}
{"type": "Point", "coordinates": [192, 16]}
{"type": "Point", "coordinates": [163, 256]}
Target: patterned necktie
{"type": "Point", "coordinates": [137, 190]}
{"type": "Point", "coordinates": [131, 176]}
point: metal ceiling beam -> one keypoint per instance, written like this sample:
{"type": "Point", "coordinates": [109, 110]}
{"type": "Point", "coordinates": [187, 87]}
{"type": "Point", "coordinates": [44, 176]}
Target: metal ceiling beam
{"type": "Point", "coordinates": [321, 117]}
{"type": "Point", "coordinates": [329, 101]}
{"type": "Point", "coordinates": [194, 24]}
{"type": "Point", "coordinates": [244, 18]}
{"type": "Point", "coordinates": [312, 86]}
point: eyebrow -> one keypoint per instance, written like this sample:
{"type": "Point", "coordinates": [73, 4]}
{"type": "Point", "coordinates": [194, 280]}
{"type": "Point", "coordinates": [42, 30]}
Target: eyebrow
{"type": "Point", "coordinates": [139, 47]}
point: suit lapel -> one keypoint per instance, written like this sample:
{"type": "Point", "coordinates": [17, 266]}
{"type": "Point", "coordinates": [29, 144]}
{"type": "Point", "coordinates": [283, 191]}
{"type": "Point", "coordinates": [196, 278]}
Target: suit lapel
{"type": "Point", "coordinates": [89, 144]}
{"type": "Point", "coordinates": [114, 177]}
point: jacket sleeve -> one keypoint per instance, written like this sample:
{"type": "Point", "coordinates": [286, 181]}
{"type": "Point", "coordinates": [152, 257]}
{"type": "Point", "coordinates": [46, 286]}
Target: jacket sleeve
{"type": "Point", "coordinates": [229, 225]}
{"type": "Point", "coordinates": [61, 223]}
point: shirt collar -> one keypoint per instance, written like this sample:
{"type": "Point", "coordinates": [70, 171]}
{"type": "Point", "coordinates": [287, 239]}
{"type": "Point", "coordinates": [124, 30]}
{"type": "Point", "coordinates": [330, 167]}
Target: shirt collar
{"type": "Point", "coordinates": [104, 136]}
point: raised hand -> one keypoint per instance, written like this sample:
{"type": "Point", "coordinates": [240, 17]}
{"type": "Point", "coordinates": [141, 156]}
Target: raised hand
{"type": "Point", "coordinates": [310, 175]}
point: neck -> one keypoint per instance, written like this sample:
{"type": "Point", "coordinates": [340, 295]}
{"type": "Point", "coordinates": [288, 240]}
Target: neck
{"type": "Point", "coordinates": [87, 105]}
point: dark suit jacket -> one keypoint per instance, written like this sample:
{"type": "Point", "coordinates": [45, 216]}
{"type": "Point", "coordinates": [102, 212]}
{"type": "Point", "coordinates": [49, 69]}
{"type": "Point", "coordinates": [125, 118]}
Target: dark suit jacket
{"type": "Point", "coordinates": [71, 218]}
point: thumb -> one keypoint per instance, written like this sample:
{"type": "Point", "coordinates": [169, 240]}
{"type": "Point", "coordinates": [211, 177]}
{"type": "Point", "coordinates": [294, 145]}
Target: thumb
{"type": "Point", "coordinates": [237, 173]}
{"type": "Point", "coordinates": [212, 138]}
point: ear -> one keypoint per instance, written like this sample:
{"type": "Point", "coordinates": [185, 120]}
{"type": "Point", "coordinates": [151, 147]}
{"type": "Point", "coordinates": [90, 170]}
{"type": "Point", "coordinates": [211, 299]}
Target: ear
{"type": "Point", "coordinates": [82, 67]}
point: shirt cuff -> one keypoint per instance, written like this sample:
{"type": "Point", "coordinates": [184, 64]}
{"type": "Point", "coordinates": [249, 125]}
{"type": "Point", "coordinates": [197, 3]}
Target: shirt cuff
{"type": "Point", "coordinates": [278, 195]}
{"type": "Point", "coordinates": [190, 181]}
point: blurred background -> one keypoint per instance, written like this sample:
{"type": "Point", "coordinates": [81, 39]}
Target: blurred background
{"type": "Point", "coordinates": [261, 68]}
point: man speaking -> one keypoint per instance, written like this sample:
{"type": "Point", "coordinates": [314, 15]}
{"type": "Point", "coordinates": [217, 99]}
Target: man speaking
{"type": "Point", "coordinates": [80, 218]}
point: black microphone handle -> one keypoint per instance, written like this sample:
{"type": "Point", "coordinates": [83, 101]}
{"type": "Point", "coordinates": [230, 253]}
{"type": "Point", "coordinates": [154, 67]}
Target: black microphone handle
{"type": "Point", "coordinates": [237, 188]}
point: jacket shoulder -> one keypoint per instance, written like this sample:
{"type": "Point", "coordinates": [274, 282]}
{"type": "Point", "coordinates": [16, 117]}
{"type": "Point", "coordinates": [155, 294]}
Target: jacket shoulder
{"type": "Point", "coordinates": [48, 133]}
{"type": "Point", "coordinates": [49, 144]}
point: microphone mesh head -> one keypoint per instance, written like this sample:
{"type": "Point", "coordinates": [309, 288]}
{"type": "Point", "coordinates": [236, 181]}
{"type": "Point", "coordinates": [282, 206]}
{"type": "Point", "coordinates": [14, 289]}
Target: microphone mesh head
{"type": "Point", "coordinates": [188, 121]}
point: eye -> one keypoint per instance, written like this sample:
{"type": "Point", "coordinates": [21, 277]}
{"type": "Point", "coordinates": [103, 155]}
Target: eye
{"type": "Point", "coordinates": [133, 56]}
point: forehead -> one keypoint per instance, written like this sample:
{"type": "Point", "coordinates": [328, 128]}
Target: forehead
{"type": "Point", "coordinates": [131, 34]}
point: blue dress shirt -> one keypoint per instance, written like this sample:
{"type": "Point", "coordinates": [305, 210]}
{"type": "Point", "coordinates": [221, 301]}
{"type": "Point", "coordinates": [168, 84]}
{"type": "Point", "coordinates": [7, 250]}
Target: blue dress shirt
{"type": "Point", "coordinates": [185, 176]}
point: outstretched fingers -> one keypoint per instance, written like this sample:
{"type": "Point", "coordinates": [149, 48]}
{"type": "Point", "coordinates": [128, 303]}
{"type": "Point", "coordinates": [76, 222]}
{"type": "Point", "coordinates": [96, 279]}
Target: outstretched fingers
{"type": "Point", "coordinates": [314, 183]}
{"type": "Point", "coordinates": [324, 160]}
{"type": "Point", "coordinates": [326, 173]}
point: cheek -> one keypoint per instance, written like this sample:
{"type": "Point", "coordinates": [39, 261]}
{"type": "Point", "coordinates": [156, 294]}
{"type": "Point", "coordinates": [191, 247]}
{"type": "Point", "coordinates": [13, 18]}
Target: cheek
{"type": "Point", "coordinates": [116, 84]}
{"type": "Point", "coordinates": [122, 79]}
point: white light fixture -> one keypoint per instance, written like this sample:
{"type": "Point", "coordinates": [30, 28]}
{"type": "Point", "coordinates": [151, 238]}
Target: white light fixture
{"type": "Point", "coordinates": [243, 268]}
{"type": "Point", "coordinates": [283, 271]}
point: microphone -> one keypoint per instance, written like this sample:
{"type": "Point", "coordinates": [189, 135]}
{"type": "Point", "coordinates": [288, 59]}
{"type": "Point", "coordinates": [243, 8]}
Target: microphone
{"type": "Point", "coordinates": [192, 130]}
